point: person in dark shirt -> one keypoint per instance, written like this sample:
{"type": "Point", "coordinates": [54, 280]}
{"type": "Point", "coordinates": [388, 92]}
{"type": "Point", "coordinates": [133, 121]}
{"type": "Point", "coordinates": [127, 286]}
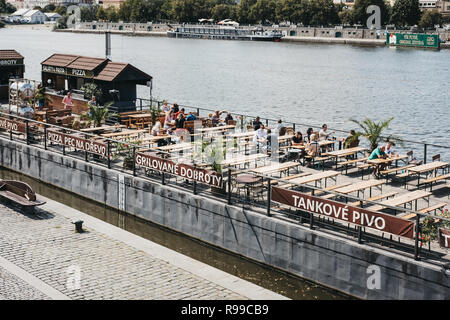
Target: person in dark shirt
{"type": "Point", "coordinates": [308, 134]}
{"type": "Point", "coordinates": [175, 108]}
{"type": "Point", "coordinates": [256, 123]}
{"type": "Point", "coordinates": [297, 139]}
{"type": "Point", "coordinates": [228, 117]}
{"type": "Point", "coordinates": [179, 121]}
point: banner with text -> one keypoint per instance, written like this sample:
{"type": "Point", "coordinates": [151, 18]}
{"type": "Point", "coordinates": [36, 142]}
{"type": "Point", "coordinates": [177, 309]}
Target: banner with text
{"type": "Point", "coordinates": [444, 238]}
{"type": "Point", "coordinates": [179, 169]}
{"type": "Point", "coordinates": [77, 143]}
{"type": "Point", "coordinates": [9, 125]}
{"type": "Point", "coordinates": [341, 211]}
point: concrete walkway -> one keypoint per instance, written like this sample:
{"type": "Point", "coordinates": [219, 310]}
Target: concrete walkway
{"type": "Point", "coordinates": [41, 257]}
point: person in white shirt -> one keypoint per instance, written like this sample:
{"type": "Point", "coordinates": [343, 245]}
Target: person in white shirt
{"type": "Point", "coordinates": [156, 128]}
{"type": "Point", "coordinates": [323, 134]}
{"type": "Point", "coordinates": [388, 149]}
{"type": "Point", "coordinates": [260, 137]}
{"type": "Point", "coordinates": [165, 107]}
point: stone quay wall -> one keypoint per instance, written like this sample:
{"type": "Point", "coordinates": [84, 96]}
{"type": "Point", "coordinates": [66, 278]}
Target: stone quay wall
{"type": "Point", "coordinates": [332, 261]}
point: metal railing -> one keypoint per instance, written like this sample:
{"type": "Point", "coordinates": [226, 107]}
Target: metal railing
{"type": "Point", "coordinates": [120, 152]}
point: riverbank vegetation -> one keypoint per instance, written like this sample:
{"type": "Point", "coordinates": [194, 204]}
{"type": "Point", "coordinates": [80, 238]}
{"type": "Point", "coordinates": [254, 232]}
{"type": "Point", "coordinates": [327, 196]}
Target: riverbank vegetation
{"type": "Point", "coordinates": [404, 13]}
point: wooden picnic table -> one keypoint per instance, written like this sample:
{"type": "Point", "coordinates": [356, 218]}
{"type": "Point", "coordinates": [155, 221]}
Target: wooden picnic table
{"type": "Point", "coordinates": [103, 128]}
{"type": "Point", "coordinates": [218, 128]}
{"type": "Point", "coordinates": [343, 153]}
{"type": "Point", "coordinates": [425, 168]}
{"type": "Point", "coordinates": [243, 159]}
{"type": "Point", "coordinates": [316, 177]}
{"type": "Point", "coordinates": [403, 200]}
{"type": "Point", "coordinates": [276, 167]}
{"type": "Point", "coordinates": [322, 143]}
{"type": "Point", "coordinates": [238, 135]}
{"type": "Point", "coordinates": [176, 147]}
{"type": "Point", "coordinates": [138, 118]}
{"type": "Point", "coordinates": [395, 158]}
{"type": "Point", "coordinates": [123, 133]}
{"type": "Point", "coordinates": [361, 186]}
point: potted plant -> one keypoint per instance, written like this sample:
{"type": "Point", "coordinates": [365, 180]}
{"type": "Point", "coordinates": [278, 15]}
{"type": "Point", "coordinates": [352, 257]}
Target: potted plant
{"type": "Point", "coordinates": [98, 114]}
{"type": "Point", "coordinates": [372, 131]}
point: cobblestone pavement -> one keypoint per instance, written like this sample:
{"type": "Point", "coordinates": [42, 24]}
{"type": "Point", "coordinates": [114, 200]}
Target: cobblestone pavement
{"type": "Point", "coordinates": [89, 265]}
{"type": "Point", "coordinates": [14, 288]}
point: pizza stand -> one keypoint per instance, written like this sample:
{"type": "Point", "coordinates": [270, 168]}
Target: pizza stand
{"type": "Point", "coordinates": [117, 81]}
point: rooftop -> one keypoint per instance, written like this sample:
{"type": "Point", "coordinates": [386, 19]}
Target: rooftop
{"type": "Point", "coordinates": [10, 54]}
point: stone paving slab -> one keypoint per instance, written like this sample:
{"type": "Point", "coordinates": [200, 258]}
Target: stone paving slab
{"type": "Point", "coordinates": [105, 262]}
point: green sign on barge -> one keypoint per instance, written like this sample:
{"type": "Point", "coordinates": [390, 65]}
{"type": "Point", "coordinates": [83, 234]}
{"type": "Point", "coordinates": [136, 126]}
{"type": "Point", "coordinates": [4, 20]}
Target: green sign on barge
{"type": "Point", "coordinates": [413, 40]}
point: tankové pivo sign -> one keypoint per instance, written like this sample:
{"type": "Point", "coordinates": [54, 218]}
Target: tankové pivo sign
{"type": "Point", "coordinates": [77, 143]}
{"type": "Point", "coordinates": [9, 125]}
{"type": "Point", "coordinates": [179, 169]}
{"type": "Point", "coordinates": [343, 212]}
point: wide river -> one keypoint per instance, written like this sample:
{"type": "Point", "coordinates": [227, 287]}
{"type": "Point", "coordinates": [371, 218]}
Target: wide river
{"type": "Point", "coordinates": [306, 83]}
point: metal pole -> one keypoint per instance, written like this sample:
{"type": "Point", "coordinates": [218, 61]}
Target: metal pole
{"type": "Point", "coordinates": [109, 154]}
{"type": "Point", "coordinates": [229, 185]}
{"type": "Point", "coordinates": [424, 153]}
{"type": "Point", "coordinates": [359, 234]}
{"type": "Point", "coordinates": [163, 180]}
{"type": "Point", "coordinates": [27, 131]}
{"type": "Point", "coordinates": [311, 221]}
{"type": "Point", "coordinates": [195, 183]}
{"type": "Point", "coordinates": [268, 197]}
{"type": "Point", "coordinates": [198, 112]}
{"type": "Point", "coordinates": [45, 137]}
{"type": "Point", "coordinates": [134, 162]}
{"type": "Point", "coordinates": [416, 240]}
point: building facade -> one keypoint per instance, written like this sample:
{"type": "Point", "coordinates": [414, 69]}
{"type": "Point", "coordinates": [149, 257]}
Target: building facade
{"type": "Point", "coordinates": [443, 7]}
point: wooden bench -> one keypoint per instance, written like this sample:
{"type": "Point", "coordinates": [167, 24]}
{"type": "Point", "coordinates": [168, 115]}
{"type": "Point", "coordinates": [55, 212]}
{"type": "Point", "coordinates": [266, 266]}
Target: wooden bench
{"type": "Point", "coordinates": [435, 179]}
{"type": "Point", "coordinates": [375, 198]}
{"type": "Point", "coordinates": [388, 171]}
{"type": "Point", "coordinates": [330, 188]}
{"type": "Point", "coordinates": [51, 114]}
{"type": "Point", "coordinates": [19, 193]}
{"type": "Point", "coordinates": [353, 161]}
{"type": "Point", "coordinates": [364, 166]}
{"type": "Point", "coordinates": [438, 206]}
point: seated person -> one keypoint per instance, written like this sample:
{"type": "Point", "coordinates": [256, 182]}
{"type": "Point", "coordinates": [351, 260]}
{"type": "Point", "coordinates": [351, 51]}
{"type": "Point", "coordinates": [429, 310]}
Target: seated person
{"type": "Point", "coordinates": [378, 153]}
{"type": "Point", "coordinates": [297, 140]}
{"type": "Point", "coordinates": [175, 108]}
{"type": "Point", "coordinates": [313, 149]}
{"type": "Point", "coordinates": [228, 117]}
{"type": "Point", "coordinates": [256, 123]}
{"type": "Point", "coordinates": [388, 150]}
{"type": "Point", "coordinates": [191, 117]}
{"type": "Point", "coordinates": [309, 132]}
{"type": "Point", "coordinates": [179, 121]}
{"type": "Point", "coordinates": [156, 129]}
{"type": "Point", "coordinates": [165, 107]}
{"type": "Point", "coordinates": [169, 119]}
{"type": "Point", "coordinates": [216, 117]}
{"type": "Point", "coordinates": [260, 136]}
{"type": "Point", "coordinates": [279, 126]}
{"type": "Point", "coordinates": [351, 141]}
{"type": "Point", "coordinates": [323, 134]}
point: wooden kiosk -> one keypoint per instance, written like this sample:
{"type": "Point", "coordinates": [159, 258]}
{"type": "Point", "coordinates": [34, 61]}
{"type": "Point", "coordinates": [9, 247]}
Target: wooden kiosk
{"type": "Point", "coordinates": [11, 66]}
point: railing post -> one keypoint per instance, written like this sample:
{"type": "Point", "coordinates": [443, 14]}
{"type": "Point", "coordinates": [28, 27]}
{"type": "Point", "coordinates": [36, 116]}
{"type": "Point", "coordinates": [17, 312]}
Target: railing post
{"type": "Point", "coordinates": [163, 180]}
{"type": "Point", "coordinates": [311, 221]}
{"type": "Point", "coordinates": [195, 183]}
{"type": "Point", "coordinates": [229, 185]}
{"type": "Point", "coordinates": [198, 112]}
{"type": "Point", "coordinates": [359, 234]}
{"type": "Point", "coordinates": [416, 240]}
{"type": "Point", "coordinates": [140, 103]}
{"type": "Point", "coordinates": [45, 137]}
{"type": "Point", "coordinates": [268, 197]}
{"type": "Point", "coordinates": [27, 131]}
{"type": "Point", "coordinates": [109, 154]}
{"type": "Point", "coordinates": [293, 126]}
{"type": "Point", "coordinates": [424, 153]}
{"type": "Point", "coordinates": [134, 162]}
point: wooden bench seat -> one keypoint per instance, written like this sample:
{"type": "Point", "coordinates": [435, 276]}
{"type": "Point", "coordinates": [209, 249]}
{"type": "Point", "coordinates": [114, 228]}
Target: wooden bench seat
{"type": "Point", "coordinates": [435, 179]}
{"type": "Point", "coordinates": [438, 206]}
{"type": "Point", "coordinates": [376, 198]}
{"type": "Point", "coordinates": [396, 169]}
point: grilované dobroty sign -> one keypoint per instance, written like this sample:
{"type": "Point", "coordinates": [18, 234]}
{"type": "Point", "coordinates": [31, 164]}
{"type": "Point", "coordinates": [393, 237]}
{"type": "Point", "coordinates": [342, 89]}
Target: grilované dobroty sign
{"type": "Point", "coordinates": [341, 211]}
{"type": "Point", "coordinates": [77, 143]}
{"type": "Point", "coordinates": [10, 125]}
{"type": "Point", "coordinates": [179, 169]}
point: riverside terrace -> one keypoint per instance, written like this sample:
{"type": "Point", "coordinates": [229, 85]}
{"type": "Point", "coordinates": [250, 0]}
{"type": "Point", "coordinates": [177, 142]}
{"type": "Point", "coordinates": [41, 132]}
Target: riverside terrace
{"type": "Point", "coordinates": [224, 163]}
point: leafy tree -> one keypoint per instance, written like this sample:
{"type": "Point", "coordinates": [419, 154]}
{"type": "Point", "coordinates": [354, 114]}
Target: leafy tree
{"type": "Point", "coordinates": [49, 8]}
{"type": "Point", "coordinates": [6, 7]}
{"type": "Point", "coordinates": [2, 24]}
{"type": "Point", "coordinates": [430, 18]}
{"type": "Point", "coordinates": [61, 10]}
{"type": "Point", "coordinates": [405, 13]}
{"type": "Point", "coordinates": [263, 11]}
{"type": "Point", "coordinates": [323, 12]}
{"type": "Point", "coordinates": [37, 8]}
{"type": "Point", "coordinates": [224, 11]}
{"type": "Point", "coordinates": [295, 11]}
{"type": "Point", "coordinates": [111, 14]}
{"type": "Point", "coordinates": [101, 14]}
{"type": "Point", "coordinates": [346, 16]}
{"type": "Point", "coordinates": [244, 12]}
{"type": "Point", "coordinates": [89, 13]}
{"type": "Point", "coordinates": [359, 14]}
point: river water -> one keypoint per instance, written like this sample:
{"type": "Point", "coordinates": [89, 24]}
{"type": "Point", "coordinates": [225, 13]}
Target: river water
{"type": "Point", "coordinates": [306, 83]}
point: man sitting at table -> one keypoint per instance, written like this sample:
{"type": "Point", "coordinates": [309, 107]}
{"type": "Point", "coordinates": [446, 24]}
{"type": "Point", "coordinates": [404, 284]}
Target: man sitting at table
{"type": "Point", "coordinates": [191, 117]}
{"type": "Point", "coordinates": [378, 153]}
{"type": "Point", "coordinates": [260, 137]}
{"type": "Point", "coordinates": [297, 140]}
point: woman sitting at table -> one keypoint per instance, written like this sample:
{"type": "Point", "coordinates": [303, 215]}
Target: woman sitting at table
{"type": "Point", "coordinates": [216, 117]}
{"type": "Point", "coordinates": [312, 149]}
{"type": "Point", "coordinates": [297, 140]}
{"type": "Point", "coordinates": [179, 121]}
{"type": "Point", "coordinates": [156, 128]}
{"type": "Point", "coordinates": [169, 120]}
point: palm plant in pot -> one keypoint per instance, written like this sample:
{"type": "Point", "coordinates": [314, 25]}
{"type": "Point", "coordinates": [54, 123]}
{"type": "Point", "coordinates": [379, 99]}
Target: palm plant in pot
{"type": "Point", "coordinates": [98, 114]}
{"type": "Point", "coordinates": [372, 131]}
